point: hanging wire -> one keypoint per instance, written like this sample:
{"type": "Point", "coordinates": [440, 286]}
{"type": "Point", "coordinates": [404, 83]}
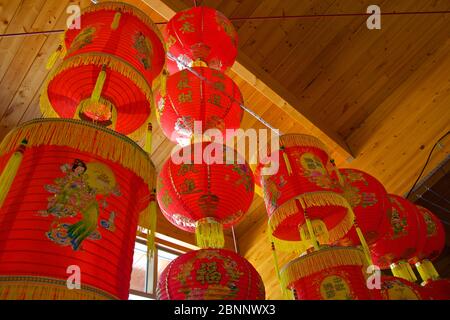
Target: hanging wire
{"type": "Point", "coordinates": [210, 83]}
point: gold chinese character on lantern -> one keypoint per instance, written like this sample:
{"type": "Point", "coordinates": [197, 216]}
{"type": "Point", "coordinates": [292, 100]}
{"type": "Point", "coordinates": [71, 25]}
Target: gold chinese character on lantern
{"type": "Point", "coordinates": [185, 97]}
{"type": "Point", "coordinates": [208, 273]}
{"type": "Point", "coordinates": [187, 27]}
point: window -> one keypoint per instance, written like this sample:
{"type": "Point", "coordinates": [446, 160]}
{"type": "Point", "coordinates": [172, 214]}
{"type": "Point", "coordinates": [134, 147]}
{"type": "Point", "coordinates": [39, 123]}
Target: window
{"type": "Point", "coordinates": [145, 273]}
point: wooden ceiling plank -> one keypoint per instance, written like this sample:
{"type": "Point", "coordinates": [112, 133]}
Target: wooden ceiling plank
{"type": "Point", "coordinates": [8, 9]}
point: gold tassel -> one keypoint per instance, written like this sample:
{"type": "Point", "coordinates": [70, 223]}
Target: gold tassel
{"type": "Point", "coordinates": [427, 271]}
{"type": "Point", "coordinates": [286, 161]}
{"type": "Point", "coordinates": [54, 57]}
{"type": "Point", "coordinates": [151, 231]}
{"type": "Point", "coordinates": [311, 233]}
{"type": "Point", "coordinates": [9, 172]}
{"type": "Point", "coordinates": [148, 139]}
{"type": "Point", "coordinates": [116, 21]}
{"type": "Point", "coordinates": [364, 245]}
{"type": "Point", "coordinates": [209, 233]}
{"type": "Point", "coordinates": [403, 270]}
{"type": "Point", "coordinates": [101, 78]}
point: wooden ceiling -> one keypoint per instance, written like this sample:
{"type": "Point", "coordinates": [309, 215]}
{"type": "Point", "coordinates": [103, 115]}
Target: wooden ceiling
{"type": "Point", "coordinates": [379, 98]}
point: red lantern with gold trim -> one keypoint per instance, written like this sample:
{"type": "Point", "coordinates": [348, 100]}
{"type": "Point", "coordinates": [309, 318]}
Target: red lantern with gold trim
{"type": "Point", "coordinates": [70, 199]}
{"type": "Point", "coordinates": [403, 241]}
{"type": "Point", "coordinates": [434, 236]}
{"type": "Point", "coordinates": [210, 274]}
{"type": "Point", "coordinates": [437, 289]}
{"type": "Point", "coordinates": [208, 96]}
{"type": "Point", "coordinates": [201, 33]}
{"type": "Point", "coordinates": [335, 273]}
{"type": "Point", "coordinates": [198, 190]}
{"type": "Point", "coordinates": [370, 204]}
{"type": "Point", "coordinates": [302, 187]}
{"type": "Point", "coordinates": [107, 73]}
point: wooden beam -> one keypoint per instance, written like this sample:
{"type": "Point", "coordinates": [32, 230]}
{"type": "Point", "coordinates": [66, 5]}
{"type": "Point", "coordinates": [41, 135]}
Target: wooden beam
{"type": "Point", "coordinates": [269, 87]}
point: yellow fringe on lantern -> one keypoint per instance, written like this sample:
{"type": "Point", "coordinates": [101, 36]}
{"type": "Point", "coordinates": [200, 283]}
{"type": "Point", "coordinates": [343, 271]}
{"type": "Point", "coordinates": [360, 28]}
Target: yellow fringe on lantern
{"type": "Point", "coordinates": [318, 261]}
{"type": "Point", "coordinates": [85, 137]}
{"type": "Point", "coordinates": [10, 171]}
{"type": "Point", "coordinates": [40, 288]}
{"type": "Point", "coordinates": [116, 21]}
{"type": "Point", "coordinates": [126, 8]}
{"type": "Point", "coordinates": [97, 92]}
{"type": "Point", "coordinates": [209, 233]}
{"type": "Point", "coordinates": [364, 245]}
{"type": "Point", "coordinates": [296, 139]}
{"type": "Point", "coordinates": [403, 270]}
{"type": "Point", "coordinates": [53, 58]}
{"type": "Point", "coordinates": [311, 200]}
{"type": "Point", "coordinates": [427, 270]}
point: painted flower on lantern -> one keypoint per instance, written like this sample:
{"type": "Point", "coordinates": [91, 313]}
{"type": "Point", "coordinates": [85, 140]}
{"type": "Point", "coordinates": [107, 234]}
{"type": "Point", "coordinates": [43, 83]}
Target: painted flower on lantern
{"type": "Point", "coordinates": [399, 224]}
{"type": "Point", "coordinates": [76, 193]}
{"type": "Point", "coordinates": [431, 226]}
{"type": "Point", "coordinates": [85, 37]}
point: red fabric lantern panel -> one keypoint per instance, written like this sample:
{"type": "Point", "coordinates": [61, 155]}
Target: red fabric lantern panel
{"type": "Point", "coordinates": [210, 274]}
{"type": "Point", "coordinates": [437, 289]}
{"type": "Point", "coordinates": [214, 101]}
{"type": "Point", "coordinates": [189, 192]}
{"type": "Point", "coordinates": [370, 204]}
{"type": "Point", "coordinates": [403, 241]}
{"type": "Point", "coordinates": [71, 204]}
{"type": "Point", "coordinates": [434, 236]}
{"type": "Point", "coordinates": [301, 184]}
{"type": "Point", "coordinates": [328, 274]}
{"type": "Point", "coordinates": [393, 288]}
{"type": "Point", "coordinates": [201, 33]}
{"type": "Point", "coordinates": [121, 31]}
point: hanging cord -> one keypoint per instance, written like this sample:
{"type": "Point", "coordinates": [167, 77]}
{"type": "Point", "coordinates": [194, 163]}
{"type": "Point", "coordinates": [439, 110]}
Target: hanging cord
{"type": "Point", "coordinates": [426, 163]}
{"type": "Point", "coordinates": [234, 240]}
{"type": "Point", "coordinates": [210, 83]}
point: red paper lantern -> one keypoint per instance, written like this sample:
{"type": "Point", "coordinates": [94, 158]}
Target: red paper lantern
{"type": "Point", "coordinates": [402, 241]}
{"type": "Point", "coordinates": [437, 289]}
{"type": "Point", "coordinates": [214, 101]}
{"type": "Point", "coordinates": [74, 201]}
{"type": "Point", "coordinates": [201, 195]}
{"type": "Point", "coordinates": [210, 274]}
{"type": "Point", "coordinates": [370, 204]}
{"type": "Point", "coordinates": [393, 288]}
{"type": "Point", "coordinates": [201, 33]}
{"type": "Point", "coordinates": [302, 186]}
{"type": "Point", "coordinates": [328, 274]}
{"type": "Point", "coordinates": [434, 236]}
{"type": "Point", "coordinates": [107, 73]}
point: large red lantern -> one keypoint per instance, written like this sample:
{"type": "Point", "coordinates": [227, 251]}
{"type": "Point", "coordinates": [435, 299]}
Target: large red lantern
{"type": "Point", "coordinates": [200, 33]}
{"type": "Point", "coordinates": [335, 273]}
{"type": "Point", "coordinates": [402, 242]}
{"type": "Point", "coordinates": [202, 192]}
{"type": "Point", "coordinates": [303, 188]}
{"type": "Point", "coordinates": [210, 274]}
{"type": "Point", "coordinates": [434, 236]}
{"type": "Point", "coordinates": [214, 99]}
{"type": "Point", "coordinates": [370, 204]}
{"type": "Point", "coordinates": [393, 288]}
{"type": "Point", "coordinates": [74, 195]}
{"type": "Point", "coordinates": [437, 289]}
{"type": "Point", "coordinates": [107, 73]}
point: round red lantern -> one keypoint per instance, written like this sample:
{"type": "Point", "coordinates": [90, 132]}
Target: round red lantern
{"type": "Point", "coordinates": [335, 273]}
{"type": "Point", "coordinates": [210, 274]}
{"type": "Point", "coordinates": [74, 195]}
{"type": "Point", "coordinates": [200, 33]}
{"type": "Point", "coordinates": [107, 73]}
{"type": "Point", "coordinates": [214, 99]}
{"type": "Point", "coordinates": [402, 241]}
{"type": "Point", "coordinates": [393, 288]}
{"type": "Point", "coordinates": [437, 289]}
{"type": "Point", "coordinates": [203, 187]}
{"type": "Point", "coordinates": [370, 204]}
{"type": "Point", "coordinates": [302, 187]}
{"type": "Point", "coordinates": [434, 236]}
